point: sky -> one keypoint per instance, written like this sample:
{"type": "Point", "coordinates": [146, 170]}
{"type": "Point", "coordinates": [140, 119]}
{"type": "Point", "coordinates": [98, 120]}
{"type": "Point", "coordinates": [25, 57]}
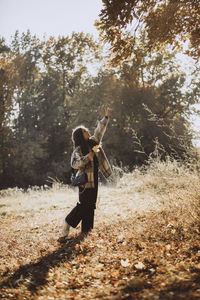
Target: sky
{"type": "Point", "coordinates": [54, 17]}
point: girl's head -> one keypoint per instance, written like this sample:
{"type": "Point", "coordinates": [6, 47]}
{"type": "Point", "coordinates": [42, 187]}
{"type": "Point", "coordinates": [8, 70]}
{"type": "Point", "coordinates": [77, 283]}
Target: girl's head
{"type": "Point", "coordinates": [80, 135]}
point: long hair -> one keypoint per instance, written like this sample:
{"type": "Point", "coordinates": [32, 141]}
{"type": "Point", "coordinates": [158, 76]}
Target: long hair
{"type": "Point", "coordinates": [78, 140]}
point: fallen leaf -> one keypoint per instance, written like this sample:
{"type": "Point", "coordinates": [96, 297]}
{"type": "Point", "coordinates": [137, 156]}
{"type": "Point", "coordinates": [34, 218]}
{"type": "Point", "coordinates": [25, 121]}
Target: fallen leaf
{"type": "Point", "coordinates": [125, 263]}
{"type": "Point", "coordinates": [140, 266]}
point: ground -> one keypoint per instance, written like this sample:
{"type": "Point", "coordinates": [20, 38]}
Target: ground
{"type": "Point", "coordinates": [145, 244]}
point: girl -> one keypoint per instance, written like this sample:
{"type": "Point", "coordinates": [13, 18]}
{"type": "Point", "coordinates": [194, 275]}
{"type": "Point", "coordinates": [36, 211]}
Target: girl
{"type": "Point", "coordinates": [86, 158]}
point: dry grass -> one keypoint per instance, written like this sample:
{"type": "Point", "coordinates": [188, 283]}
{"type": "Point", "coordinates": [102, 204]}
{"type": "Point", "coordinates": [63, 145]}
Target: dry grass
{"type": "Point", "coordinates": [145, 244]}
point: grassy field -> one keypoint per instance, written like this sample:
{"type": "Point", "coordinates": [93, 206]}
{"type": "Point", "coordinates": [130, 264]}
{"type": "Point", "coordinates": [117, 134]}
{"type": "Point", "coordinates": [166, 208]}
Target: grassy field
{"type": "Point", "coordinates": [145, 244]}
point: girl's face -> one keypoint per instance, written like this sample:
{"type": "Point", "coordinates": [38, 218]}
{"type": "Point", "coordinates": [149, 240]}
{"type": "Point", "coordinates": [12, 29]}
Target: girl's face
{"type": "Point", "coordinates": [86, 134]}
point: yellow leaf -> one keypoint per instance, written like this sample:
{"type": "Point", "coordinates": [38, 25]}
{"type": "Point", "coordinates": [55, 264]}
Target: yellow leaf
{"type": "Point", "coordinates": [96, 148]}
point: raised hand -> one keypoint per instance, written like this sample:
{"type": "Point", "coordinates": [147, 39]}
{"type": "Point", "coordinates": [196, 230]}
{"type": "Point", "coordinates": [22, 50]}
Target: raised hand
{"type": "Point", "coordinates": [107, 111]}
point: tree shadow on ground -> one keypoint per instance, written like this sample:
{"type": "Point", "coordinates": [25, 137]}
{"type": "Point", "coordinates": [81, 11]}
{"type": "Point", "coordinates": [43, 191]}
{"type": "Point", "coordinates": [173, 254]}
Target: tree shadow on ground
{"type": "Point", "coordinates": [35, 273]}
{"type": "Point", "coordinates": [141, 288]}
{"type": "Point", "coordinates": [182, 289]}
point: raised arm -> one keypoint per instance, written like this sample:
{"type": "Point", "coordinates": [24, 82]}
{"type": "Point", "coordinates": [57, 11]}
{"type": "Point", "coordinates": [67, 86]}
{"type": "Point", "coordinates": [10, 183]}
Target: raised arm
{"type": "Point", "coordinates": [101, 126]}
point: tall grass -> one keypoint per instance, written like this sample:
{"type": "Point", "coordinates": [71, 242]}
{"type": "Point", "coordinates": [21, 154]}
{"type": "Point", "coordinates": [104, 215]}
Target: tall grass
{"type": "Point", "coordinates": [173, 185]}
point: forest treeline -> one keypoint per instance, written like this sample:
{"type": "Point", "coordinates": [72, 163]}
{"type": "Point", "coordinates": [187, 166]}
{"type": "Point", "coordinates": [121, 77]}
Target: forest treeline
{"type": "Point", "coordinates": [48, 87]}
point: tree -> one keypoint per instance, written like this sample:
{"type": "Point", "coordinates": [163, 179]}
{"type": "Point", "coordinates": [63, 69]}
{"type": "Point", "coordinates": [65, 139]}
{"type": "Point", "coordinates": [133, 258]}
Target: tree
{"type": "Point", "coordinates": [148, 104]}
{"type": "Point", "coordinates": [170, 22]}
{"type": "Point", "coordinates": [22, 66]}
{"type": "Point", "coordinates": [52, 75]}
{"type": "Point", "coordinates": [9, 81]}
{"type": "Point", "coordinates": [66, 62]}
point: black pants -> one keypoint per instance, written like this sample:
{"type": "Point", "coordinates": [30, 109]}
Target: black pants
{"type": "Point", "coordinates": [84, 210]}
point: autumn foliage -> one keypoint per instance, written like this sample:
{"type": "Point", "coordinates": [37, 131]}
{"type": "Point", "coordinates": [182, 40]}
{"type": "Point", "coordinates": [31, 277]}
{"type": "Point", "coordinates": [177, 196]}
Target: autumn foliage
{"type": "Point", "coordinates": [166, 23]}
{"type": "Point", "coordinates": [145, 244]}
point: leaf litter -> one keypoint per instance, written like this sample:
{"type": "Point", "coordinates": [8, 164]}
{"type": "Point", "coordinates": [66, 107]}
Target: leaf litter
{"type": "Point", "coordinates": [135, 251]}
